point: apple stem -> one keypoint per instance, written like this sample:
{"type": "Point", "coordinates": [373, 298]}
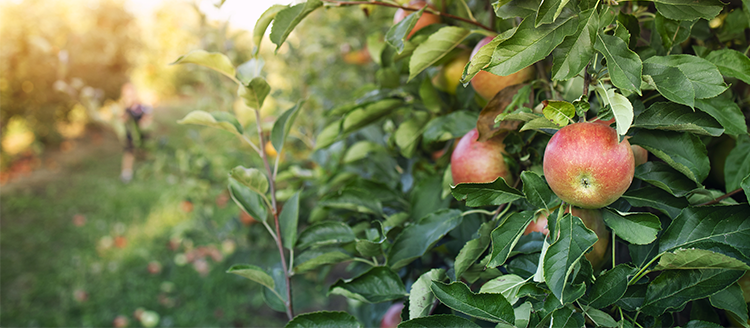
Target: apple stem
{"type": "Point", "coordinates": [275, 212]}
{"type": "Point", "coordinates": [428, 9]}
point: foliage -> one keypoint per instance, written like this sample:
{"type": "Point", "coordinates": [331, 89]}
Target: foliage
{"type": "Point", "coordinates": [374, 195]}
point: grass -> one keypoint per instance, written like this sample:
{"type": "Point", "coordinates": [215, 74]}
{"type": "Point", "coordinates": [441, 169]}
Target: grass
{"type": "Point", "coordinates": [46, 259]}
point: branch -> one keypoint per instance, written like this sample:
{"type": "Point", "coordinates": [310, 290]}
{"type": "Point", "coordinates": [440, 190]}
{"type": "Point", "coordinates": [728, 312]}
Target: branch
{"type": "Point", "coordinates": [428, 9]}
{"type": "Point", "coordinates": [720, 198]}
{"type": "Point", "coordinates": [272, 184]}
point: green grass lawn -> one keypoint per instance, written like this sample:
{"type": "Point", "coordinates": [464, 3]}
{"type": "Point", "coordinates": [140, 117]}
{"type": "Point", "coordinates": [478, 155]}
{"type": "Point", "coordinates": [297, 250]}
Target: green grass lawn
{"type": "Point", "coordinates": [46, 260]}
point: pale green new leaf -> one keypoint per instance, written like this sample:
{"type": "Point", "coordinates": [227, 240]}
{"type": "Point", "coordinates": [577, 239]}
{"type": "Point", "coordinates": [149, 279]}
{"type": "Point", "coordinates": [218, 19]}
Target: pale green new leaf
{"type": "Point", "coordinates": [696, 258]}
{"type": "Point", "coordinates": [621, 108]}
{"type": "Point", "coordinates": [213, 60]}
{"type": "Point", "coordinates": [251, 178]}
{"type": "Point", "coordinates": [262, 24]}
{"type": "Point", "coordinates": [507, 285]}
{"type": "Point", "coordinates": [559, 112]}
{"type": "Point", "coordinates": [254, 93]}
{"type": "Point", "coordinates": [220, 120]}
{"type": "Point", "coordinates": [435, 47]}
{"type": "Point", "coordinates": [483, 56]}
{"type": "Point", "coordinates": [253, 273]}
{"type": "Point", "coordinates": [420, 297]}
{"type": "Point", "coordinates": [399, 31]}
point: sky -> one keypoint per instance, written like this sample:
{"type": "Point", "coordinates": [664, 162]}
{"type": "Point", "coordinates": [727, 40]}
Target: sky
{"type": "Point", "coordinates": [240, 13]}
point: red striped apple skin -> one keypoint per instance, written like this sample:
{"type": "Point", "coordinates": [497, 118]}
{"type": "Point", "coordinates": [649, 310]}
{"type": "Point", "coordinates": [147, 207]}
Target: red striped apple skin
{"type": "Point", "coordinates": [586, 166]}
{"type": "Point", "coordinates": [479, 162]}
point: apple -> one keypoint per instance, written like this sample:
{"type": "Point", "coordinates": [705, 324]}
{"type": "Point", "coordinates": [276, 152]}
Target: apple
{"type": "Point", "coordinates": [186, 206]}
{"type": "Point", "coordinates": [120, 321]}
{"type": "Point", "coordinates": [392, 317]}
{"type": "Point", "coordinates": [479, 162]}
{"type": "Point", "coordinates": [121, 241]}
{"type": "Point", "coordinates": [79, 220]}
{"type": "Point", "coordinates": [640, 154]}
{"type": "Point", "coordinates": [450, 75]}
{"type": "Point", "coordinates": [154, 267]}
{"type": "Point", "coordinates": [359, 57]}
{"type": "Point", "coordinates": [592, 219]}
{"type": "Point", "coordinates": [424, 20]}
{"type": "Point", "coordinates": [487, 85]}
{"type": "Point", "coordinates": [149, 319]}
{"type": "Point", "coordinates": [247, 219]}
{"type": "Point", "coordinates": [270, 150]}
{"type": "Point", "coordinates": [586, 166]}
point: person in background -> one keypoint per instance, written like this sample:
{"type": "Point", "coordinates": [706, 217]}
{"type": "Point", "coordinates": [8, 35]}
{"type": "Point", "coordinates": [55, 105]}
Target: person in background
{"type": "Point", "coordinates": [136, 118]}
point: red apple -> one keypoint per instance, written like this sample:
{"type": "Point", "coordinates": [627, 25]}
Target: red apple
{"type": "Point", "coordinates": [487, 85]}
{"type": "Point", "coordinates": [593, 220]}
{"type": "Point", "coordinates": [392, 317]}
{"type": "Point", "coordinates": [120, 321]}
{"type": "Point", "coordinates": [479, 162]}
{"type": "Point", "coordinates": [424, 20]}
{"type": "Point", "coordinates": [639, 153]}
{"type": "Point", "coordinates": [586, 166]}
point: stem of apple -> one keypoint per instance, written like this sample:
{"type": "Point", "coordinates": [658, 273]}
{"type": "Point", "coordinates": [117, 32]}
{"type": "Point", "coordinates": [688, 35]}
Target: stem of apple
{"type": "Point", "coordinates": [274, 211]}
{"type": "Point", "coordinates": [429, 10]}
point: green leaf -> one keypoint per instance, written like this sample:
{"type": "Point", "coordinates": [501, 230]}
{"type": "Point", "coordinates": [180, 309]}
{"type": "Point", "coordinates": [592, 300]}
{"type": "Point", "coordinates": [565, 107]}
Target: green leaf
{"type": "Point", "coordinates": [483, 56]}
{"type": "Point", "coordinates": [537, 191]}
{"type": "Point", "coordinates": [363, 116]}
{"type": "Point", "coordinates": [353, 199]}
{"type": "Point", "coordinates": [565, 317]}
{"type": "Point", "coordinates": [421, 297]}
{"type": "Point", "coordinates": [248, 200]}
{"type": "Point", "coordinates": [575, 52]}
{"type": "Point", "coordinates": [671, 290]}
{"type": "Point", "coordinates": [399, 31]}
{"type": "Point", "coordinates": [621, 108]}
{"type": "Point", "coordinates": [450, 126]}
{"type": "Point", "coordinates": [430, 96]}
{"type": "Point", "coordinates": [600, 318]}
{"type": "Point", "coordinates": [435, 47]}
{"type": "Point", "coordinates": [288, 18]}
{"type": "Point", "coordinates": [695, 76]}
{"type": "Point", "coordinates": [253, 273]}
{"type": "Point", "coordinates": [731, 63]}
{"type": "Point", "coordinates": [275, 297]}
{"type": "Point", "coordinates": [689, 10]}
{"type": "Point", "coordinates": [249, 70]}
{"type": "Point", "coordinates": [417, 239]}
{"type": "Point", "coordinates": [562, 255]}
{"type": "Point", "coordinates": [220, 120]}
{"type": "Point", "coordinates": [254, 93]}
{"type": "Point", "coordinates": [726, 112]}
{"type": "Point", "coordinates": [283, 125]}
{"type": "Point", "coordinates": [507, 285]}
{"type": "Point", "coordinates": [707, 226]}
{"type": "Point", "coordinates": [559, 112]}
{"type": "Point", "coordinates": [548, 11]}
{"type": "Point", "coordinates": [676, 117]}
{"type": "Point", "coordinates": [213, 60]}
{"type": "Point", "coordinates": [506, 236]}
{"type": "Point", "coordinates": [635, 228]}
{"type": "Point", "coordinates": [485, 194]}
{"type": "Point", "coordinates": [737, 165]}
{"type": "Point", "coordinates": [610, 286]}
{"type": "Point", "coordinates": [633, 298]}
{"type": "Point", "coordinates": [361, 150]}
{"type": "Point", "coordinates": [288, 221]}
{"type": "Point", "coordinates": [515, 8]}
{"type": "Point", "coordinates": [325, 233]}
{"type": "Point", "coordinates": [251, 178]}
{"type": "Point", "coordinates": [324, 319]}
{"type": "Point", "coordinates": [471, 251]}
{"type": "Point", "coordinates": [262, 24]}
{"type": "Point", "coordinates": [656, 198]}
{"type": "Point", "coordinates": [731, 300]}
{"type": "Point", "coordinates": [665, 177]}
{"type": "Point", "coordinates": [672, 32]}
{"type": "Point", "coordinates": [379, 284]}
{"type": "Point", "coordinates": [315, 257]}
{"type": "Point", "coordinates": [439, 321]}
{"type": "Point", "coordinates": [530, 44]}
{"type": "Point", "coordinates": [328, 135]}
{"type": "Point", "coordinates": [409, 133]}
{"type": "Point", "coordinates": [746, 187]}
{"type": "Point", "coordinates": [489, 307]}
{"type": "Point", "coordinates": [683, 151]}
{"type": "Point", "coordinates": [523, 314]}
{"type": "Point", "coordinates": [540, 124]}
{"type": "Point", "coordinates": [696, 258]}
{"type": "Point", "coordinates": [624, 65]}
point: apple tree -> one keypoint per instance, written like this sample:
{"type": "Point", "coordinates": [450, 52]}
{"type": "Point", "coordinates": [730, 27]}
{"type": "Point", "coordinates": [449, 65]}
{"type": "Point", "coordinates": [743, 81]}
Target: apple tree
{"type": "Point", "coordinates": [667, 77]}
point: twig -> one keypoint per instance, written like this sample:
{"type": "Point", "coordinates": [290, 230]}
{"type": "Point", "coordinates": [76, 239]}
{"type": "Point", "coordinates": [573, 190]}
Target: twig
{"type": "Point", "coordinates": [720, 198]}
{"type": "Point", "coordinates": [272, 185]}
{"type": "Point", "coordinates": [428, 9]}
